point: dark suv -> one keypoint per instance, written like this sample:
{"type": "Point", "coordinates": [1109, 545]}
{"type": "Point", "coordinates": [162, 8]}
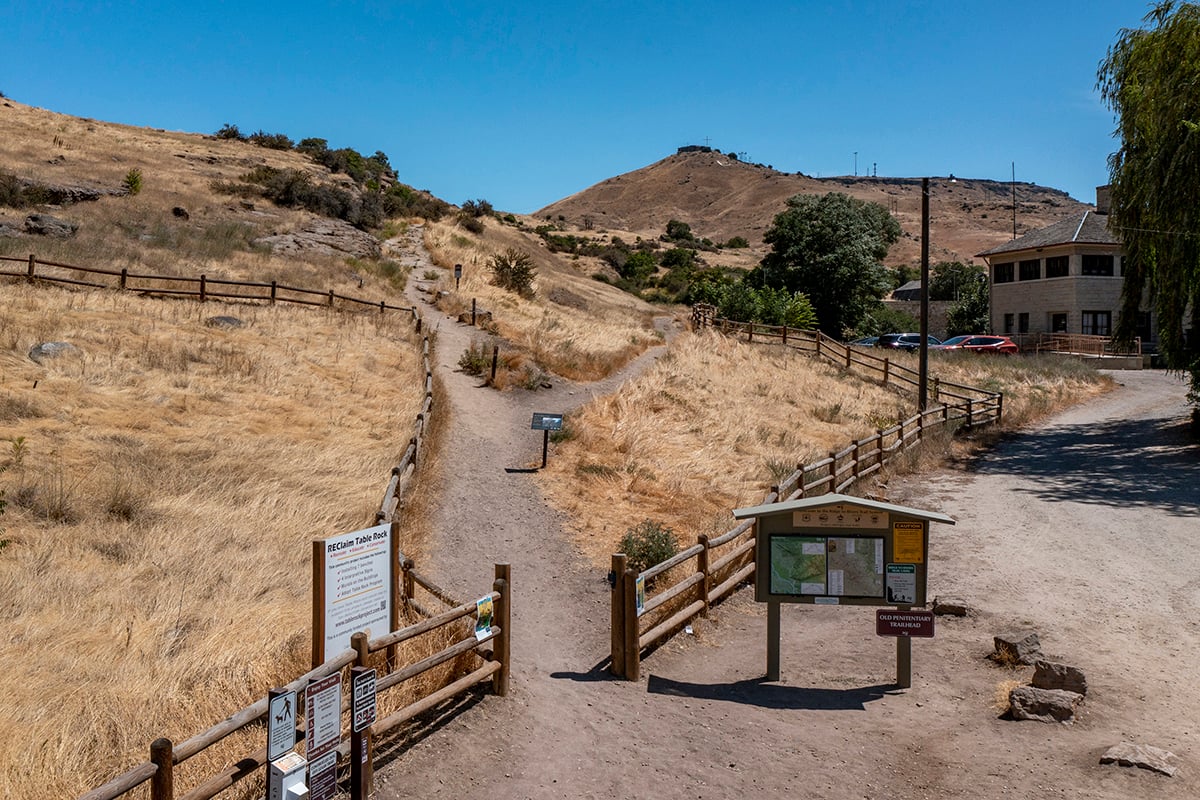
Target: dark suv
{"type": "Point", "coordinates": [904, 341]}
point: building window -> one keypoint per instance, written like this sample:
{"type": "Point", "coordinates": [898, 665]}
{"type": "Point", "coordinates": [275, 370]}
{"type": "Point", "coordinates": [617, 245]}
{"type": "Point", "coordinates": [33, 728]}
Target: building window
{"type": "Point", "coordinates": [1002, 273]}
{"type": "Point", "coordinates": [1058, 322]}
{"type": "Point", "coordinates": [1031, 270]}
{"type": "Point", "coordinates": [1057, 266]}
{"type": "Point", "coordinates": [1008, 323]}
{"type": "Point", "coordinates": [1097, 323]}
{"type": "Point", "coordinates": [1023, 322]}
{"type": "Point", "coordinates": [1097, 265]}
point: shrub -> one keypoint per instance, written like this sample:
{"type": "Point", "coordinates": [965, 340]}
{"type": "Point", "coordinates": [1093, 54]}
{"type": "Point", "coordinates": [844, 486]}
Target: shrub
{"type": "Point", "coordinates": [475, 360]}
{"type": "Point", "coordinates": [513, 270]}
{"type": "Point", "coordinates": [470, 222]}
{"type": "Point", "coordinates": [648, 543]}
{"type": "Point", "coordinates": [228, 131]}
{"type": "Point", "coordinates": [737, 242]}
{"type": "Point", "coordinates": [271, 141]}
{"type": "Point", "coordinates": [678, 231]}
{"type": "Point", "coordinates": [133, 181]}
{"type": "Point", "coordinates": [477, 208]}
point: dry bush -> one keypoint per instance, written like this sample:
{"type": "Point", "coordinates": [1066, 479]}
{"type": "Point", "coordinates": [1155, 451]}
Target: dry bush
{"type": "Point", "coordinates": [588, 341]}
{"type": "Point", "coordinates": [1000, 695]}
{"type": "Point", "coordinates": [161, 518]}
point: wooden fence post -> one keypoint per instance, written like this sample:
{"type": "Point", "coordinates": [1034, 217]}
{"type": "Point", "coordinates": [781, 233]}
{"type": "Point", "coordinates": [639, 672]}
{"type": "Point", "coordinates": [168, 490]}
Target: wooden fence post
{"type": "Point", "coordinates": [855, 465]}
{"type": "Point", "coordinates": [800, 483]}
{"type": "Point", "coordinates": [848, 349]}
{"type": "Point", "coordinates": [999, 408]}
{"type": "Point", "coordinates": [382, 307]}
{"type": "Point", "coordinates": [785, 335]}
{"type": "Point", "coordinates": [502, 648]}
{"type": "Point", "coordinates": [749, 331]}
{"type": "Point", "coordinates": [920, 426]}
{"type": "Point", "coordinates": [887, 363]}
{"type": "Point", "coordinates": [617, 580]}
{"type": "Point", "coordinates": [203, 287]}
{"type": "Point", "coordinates": [162, 784]}
{"type": "Point", "coordinates": [495, 360]}
{"type": "Point", "coordinates": [274, 290]}
{"type": "Point", "coordinates": [408, 584]}
{"type": "Point", "coordinates": [472, 312]}
{"type": "Point", "coordinates": [30, 268]}
{"type": "Point", "coordinates": [124, 277]}
{"type": "Point", "coordinates": [331, 298]}
{"type": "Point", "coordinates": [879, 451]}
{"type": "Point", "coordinates": [633, 652]}
{"type": "Point", "coordinates": [832, 471]}
{"type": "Point", "coordinates": [706, 579]}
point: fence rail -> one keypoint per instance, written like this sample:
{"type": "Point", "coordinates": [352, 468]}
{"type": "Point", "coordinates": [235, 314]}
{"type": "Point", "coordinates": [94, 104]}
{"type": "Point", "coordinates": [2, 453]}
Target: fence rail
{"type": "Point", "coordinates": [203, 288]}
{"type": "Point", "coordinates": [693, 592]}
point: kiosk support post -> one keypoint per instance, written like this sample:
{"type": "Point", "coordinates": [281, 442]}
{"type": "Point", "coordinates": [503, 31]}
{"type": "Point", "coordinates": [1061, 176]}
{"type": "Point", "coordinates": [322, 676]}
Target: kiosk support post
{"type": "Point", "coordinates": [904, 661]}
{"type": "Point", "coordinates": [773, 640]}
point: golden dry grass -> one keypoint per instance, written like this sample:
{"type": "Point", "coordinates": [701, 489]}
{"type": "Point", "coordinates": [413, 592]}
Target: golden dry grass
{"type": "Point", "coordinates": [707, 429]}
{"type": "Point", "coordinates": [164, 487]}
{"type": "Point", "coordinates": [714, 424]}
{"type": "Point", "coordinates": [573, 326]}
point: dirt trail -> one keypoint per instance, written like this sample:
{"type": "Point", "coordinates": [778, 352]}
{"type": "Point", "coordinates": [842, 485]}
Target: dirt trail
{"type": "Point", "coordinates": [1084, 529]}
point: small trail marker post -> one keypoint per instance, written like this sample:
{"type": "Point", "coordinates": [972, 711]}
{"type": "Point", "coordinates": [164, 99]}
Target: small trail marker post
{"type": "Point", "coordinates": [546, 423]}
{"type": "Point", "coordinates": [457, 275]}
{"type": "Point", "coordinates": [840, 550]}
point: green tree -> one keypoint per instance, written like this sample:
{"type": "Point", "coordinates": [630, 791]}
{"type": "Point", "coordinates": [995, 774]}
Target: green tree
{"type": "Point", "coordinates": [949, 280]}
{"type": "Point", "coordinates": [638, 267]}
{"type": "Point", "coordinates": [679, 231]}
{"type": "Point", "coordinates": [1150, 78]}
{"type": "Point", "coordinates": [971, 312]}
{"type": "Point", "coordinates": [829, 248]}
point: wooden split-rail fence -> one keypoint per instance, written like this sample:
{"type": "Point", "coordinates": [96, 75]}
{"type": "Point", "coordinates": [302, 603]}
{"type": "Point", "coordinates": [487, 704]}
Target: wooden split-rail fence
{"type": "Point", "coordinates": [441, 620]}
{"type": "Point", "coordinates": [711, 569]}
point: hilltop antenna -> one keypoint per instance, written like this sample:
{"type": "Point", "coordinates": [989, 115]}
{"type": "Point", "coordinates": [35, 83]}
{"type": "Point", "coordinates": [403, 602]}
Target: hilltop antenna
{"type": "Point", "coordinates": [1014, 197]}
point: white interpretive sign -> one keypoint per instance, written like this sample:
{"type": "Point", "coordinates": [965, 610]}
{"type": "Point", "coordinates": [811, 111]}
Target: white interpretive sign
{"type": "Point", "coordinates": [357, 587]}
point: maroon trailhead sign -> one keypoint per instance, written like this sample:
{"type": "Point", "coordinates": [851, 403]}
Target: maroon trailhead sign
{"type": "Point", "coordinates": [889, 622]}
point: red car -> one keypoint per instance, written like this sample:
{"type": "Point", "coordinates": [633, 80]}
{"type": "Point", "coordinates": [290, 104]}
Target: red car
{"type": "Point", "coordinates": [979, 344]}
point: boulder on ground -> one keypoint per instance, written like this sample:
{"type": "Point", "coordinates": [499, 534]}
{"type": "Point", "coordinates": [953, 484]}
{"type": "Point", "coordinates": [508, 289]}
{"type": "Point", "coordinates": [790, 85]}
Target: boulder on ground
{"type": "Point", "coordinates": [1143, 756]}
{"type": "Point", "coordinates": [1021, 647]}
{"type": "Point", "coordinates": [1043, 705]}
{"type": "Point", "coordinates": [949, 606]}
{"type": "Point", "coordinates": [1052, 675]}
{"type": "Point", "coordinates": [223, 322]}
{"type": "Point", "coordinates": [47, 225]}
{"type": "Point", "coordinates": [41, 353]}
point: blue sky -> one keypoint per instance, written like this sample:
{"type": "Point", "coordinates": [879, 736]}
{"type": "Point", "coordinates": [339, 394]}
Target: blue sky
{"type": "Point", "coordinates": [523, 104]}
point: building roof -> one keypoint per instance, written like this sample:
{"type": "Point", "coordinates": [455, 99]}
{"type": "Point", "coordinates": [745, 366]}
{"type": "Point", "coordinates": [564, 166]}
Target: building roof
{"type": "Point", "coordinates": [909, 291]}
{"type": "Point", "coordinates": [1091, 228]}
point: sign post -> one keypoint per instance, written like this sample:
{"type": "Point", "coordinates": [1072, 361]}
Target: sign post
{"type": "Point", "coordinates": [281, 723]}
{"type": "Point", "coordinates": [362, 710]}
{"type": "Point", "coordinates": [353, 589]}
{"type": "Point", "coordinates": [546, 423]}
{"type": "Point", "coordinates": [457, 275]}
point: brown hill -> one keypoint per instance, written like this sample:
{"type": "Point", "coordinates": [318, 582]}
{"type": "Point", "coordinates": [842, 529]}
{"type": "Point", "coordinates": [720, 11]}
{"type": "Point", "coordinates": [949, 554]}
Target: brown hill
{"type": "Point", "coordinates": [721, 198]}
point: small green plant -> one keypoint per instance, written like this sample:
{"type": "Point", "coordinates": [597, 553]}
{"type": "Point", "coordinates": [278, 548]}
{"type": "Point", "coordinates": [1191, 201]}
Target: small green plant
{"type": "Point", "coordinates": [133, 181]}
{"type": "Point", "coordinates": [513, 270]}
{"type": "Point", "coordinates": [17, 451]}
{"type": "Point", "coordinates": [648, 543]}
{"type": "Point", "coordinates": [475, 360]}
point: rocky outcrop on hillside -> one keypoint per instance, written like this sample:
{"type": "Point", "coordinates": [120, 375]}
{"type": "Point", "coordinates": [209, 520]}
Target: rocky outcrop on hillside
{"type": "Point", "coordinates": [327, 237]}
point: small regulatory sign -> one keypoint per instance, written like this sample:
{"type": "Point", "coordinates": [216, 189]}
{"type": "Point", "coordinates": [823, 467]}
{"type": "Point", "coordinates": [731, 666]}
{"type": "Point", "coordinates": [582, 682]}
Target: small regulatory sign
{"type": "Point", "coordinates": [323, 706]}
{"type": "Point", "coordinates": [547, 422]}
{"type": "Point", "coordinates": [890, 622]}
{"type": "Point", "coordinates": [362, 704]}
{"type": "Point", "coordinates": [281, 723]}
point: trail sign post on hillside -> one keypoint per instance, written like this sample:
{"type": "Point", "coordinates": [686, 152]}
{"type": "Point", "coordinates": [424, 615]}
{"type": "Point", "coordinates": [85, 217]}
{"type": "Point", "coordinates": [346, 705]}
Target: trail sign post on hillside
{"type": "Point", "coordinates": [840, 550]}
{"type": "Point", "coordinates": [546, 423]}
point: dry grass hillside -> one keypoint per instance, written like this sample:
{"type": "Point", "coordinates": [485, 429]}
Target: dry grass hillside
{"type": "Point", "coordinates": [571, 325]}
{"type": "Point", "coordinates": [163, 485]}
{"type": "Point", "coordinates": [722, 198]}
{"type": "Point", "coordinates": [712, 425]}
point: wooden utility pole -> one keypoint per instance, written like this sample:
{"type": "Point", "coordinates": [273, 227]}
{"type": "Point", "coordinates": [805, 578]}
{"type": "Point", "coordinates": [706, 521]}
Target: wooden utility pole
{"type": "Point", "coordinates": [923, 351]}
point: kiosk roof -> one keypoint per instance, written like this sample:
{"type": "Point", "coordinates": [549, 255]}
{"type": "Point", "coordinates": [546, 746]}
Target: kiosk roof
{"type": "Point", "coordinates": [838, 499]}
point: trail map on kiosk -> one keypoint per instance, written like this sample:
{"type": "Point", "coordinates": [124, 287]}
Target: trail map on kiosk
{"type": "Point", "coordinates": [831, 566]}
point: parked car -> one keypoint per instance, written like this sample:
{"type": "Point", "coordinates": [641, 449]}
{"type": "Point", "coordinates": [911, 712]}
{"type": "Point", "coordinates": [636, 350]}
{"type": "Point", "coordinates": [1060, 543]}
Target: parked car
{"type": "Point", "coordinates": [866, 341]}
{"type": "Point", "coordinates": [905, 341]}
{"type": "Point", "coordinates": [980, 344]}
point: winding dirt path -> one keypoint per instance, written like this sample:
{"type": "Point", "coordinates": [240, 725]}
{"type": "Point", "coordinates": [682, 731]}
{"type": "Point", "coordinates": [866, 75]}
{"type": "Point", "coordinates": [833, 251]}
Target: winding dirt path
{"type": "Point", "coordinates": [1084, 529]}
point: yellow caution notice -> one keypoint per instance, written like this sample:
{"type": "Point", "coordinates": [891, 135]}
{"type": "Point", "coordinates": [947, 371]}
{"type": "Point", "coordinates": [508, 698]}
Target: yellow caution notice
{"type": "Point", "coordinates": [908, 542]}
